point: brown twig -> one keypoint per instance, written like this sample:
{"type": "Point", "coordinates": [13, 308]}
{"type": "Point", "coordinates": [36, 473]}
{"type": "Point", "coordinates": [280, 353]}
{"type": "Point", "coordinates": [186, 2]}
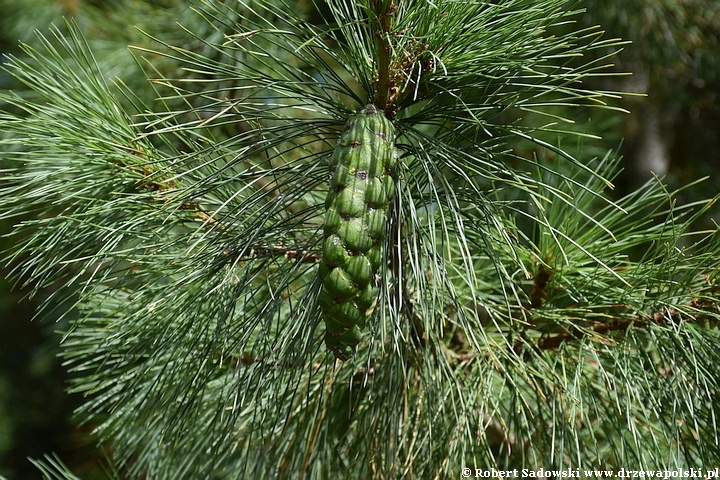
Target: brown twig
{"type": "Point", "coordinates": [577, 333]}
{"type": "Point", "coordinates": [540, 283]}
{"type": "Point", "coordinates": [394, 72]}
{"type": "Point", "coordinates": [244, 360]}
{"type": "Point", "coordinates": [303, 256]}
{"type": "Point", "coordinates": [383, 10]}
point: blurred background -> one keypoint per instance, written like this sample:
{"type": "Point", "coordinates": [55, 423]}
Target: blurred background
{"type": "Point", "coordinates": [672, 130]}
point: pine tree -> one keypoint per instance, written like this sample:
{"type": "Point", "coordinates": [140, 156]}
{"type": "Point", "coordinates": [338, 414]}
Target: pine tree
{"type": "Point", "coordinates": [518, 315]}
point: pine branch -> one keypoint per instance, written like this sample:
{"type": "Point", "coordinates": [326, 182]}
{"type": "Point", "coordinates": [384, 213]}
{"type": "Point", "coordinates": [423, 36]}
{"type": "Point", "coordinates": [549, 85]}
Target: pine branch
{"type": "Point", "coordinates": [192, 231]}
{"type": "Point", "coordinates": [553, 342]}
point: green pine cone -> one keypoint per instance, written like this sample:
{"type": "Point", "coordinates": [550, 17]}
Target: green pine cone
{"type": "Point", "coordinates": [361, 188]}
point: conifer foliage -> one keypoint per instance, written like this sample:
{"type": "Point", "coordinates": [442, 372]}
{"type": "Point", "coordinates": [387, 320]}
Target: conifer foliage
{"type": "Point", "coordinates": [519, 317]}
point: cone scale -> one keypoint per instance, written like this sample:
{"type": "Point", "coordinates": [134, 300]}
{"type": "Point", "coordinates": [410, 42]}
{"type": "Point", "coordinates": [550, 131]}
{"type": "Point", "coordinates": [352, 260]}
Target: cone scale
{"type": "Point", "coordinates": [361, 187]}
